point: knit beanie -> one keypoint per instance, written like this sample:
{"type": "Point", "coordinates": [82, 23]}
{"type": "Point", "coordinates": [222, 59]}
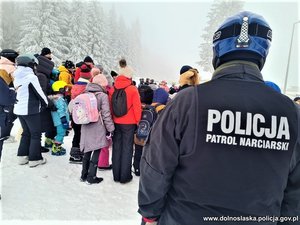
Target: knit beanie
{"type": "Point", "coordinates": [273, 86]}
{"type": "Point", "coordinates": [88, 59]}
{"type": "Point", "coordinates": [85, 72]}
{"type": "Point", "coordinates": [10, 54]}
{"type": "Point", "coordinates": [185, 68]}
{"type": "Point", "coordinates": [95, 71]}
{"type": "Point", "coordinates": [45, 51]}
{"type": "Point", "coordinates": [160, 96]}
{"type": "Point", "coordinates": [101, 80]}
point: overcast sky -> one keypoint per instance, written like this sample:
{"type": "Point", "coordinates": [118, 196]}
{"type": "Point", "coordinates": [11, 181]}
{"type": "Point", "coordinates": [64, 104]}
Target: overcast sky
{"type": "Point", "coordinates": [171, 32]}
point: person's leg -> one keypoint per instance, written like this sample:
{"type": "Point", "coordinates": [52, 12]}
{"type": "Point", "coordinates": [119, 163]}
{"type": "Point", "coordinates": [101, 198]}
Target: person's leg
{"type": "Point", "coordinates": [57, 149]}
{"type": "Point", "coordinates": [1, 146]}
{"type": "Point", "coordinates": [127, 152]}
{"type": "Point", "coordinates": [138, 150]}
{"type": "Point", "coordinates": [34, 124]}
{"type": "Point", "coordinates": [49, 138]}
{"type": "Point", "coordinates": [92, 178]}
{"type": "Point", "coordinates": [117, 152]}
{"type": "Point", "coordinates": [23, 149]}
{"type": "Point", "coordinates": [85, 165]}
{"type": "Point", "coordinates": [77, 132]}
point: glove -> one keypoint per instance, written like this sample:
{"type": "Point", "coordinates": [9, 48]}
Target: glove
{"type": "Point", "coordinates": [64, 122]}
{"type": "Point", "coordinates": [109, 135]}
{"type": "Point", "coordinates": [52, 108]}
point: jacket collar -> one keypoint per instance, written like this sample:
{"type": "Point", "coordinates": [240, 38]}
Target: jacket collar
{"type": "Point", "coordinates": [238, 70]}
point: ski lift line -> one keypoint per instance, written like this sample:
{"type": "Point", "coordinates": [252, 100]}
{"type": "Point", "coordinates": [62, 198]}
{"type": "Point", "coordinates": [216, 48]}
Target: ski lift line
{"type": "Point", "coordinates": [289, 57]}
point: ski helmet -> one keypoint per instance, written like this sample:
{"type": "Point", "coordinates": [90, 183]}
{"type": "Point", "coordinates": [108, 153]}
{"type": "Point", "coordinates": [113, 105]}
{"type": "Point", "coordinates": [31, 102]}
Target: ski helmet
{"type": "Point", "coordinates": [59, 86]}
{"type": "Point", "coordinates": [27, 61]}
{"type": "Point", "coordinates": [244, 36]}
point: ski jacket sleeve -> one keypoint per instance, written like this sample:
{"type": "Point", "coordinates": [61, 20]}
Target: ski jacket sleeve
{"type": "Point", "coordinates": [106, 114]}
{"type": "Point", "coordinates": [38, 90]}
{"type": "Point", "coordinates": [137, 105]}
{"type": "Point", "coordinates": [8, 96]}
{"type": "Point", "coordinates": [290, 206]}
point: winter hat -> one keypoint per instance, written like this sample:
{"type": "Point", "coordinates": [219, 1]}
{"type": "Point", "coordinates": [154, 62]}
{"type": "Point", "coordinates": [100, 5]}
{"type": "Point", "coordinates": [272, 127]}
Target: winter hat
{"type": "Point", "coordinates": [45, 51]}
{"type": "Point", "coordinates": [146, 94]}
{"type": "Point", "coordinates": [160, 96]}
{"type": "Point", "coordinates": [101, 80]}
{"type": "Point", "coordinates": [273, 86]}
{"type": "Point", "coordinates": [95, 71]}
{"type": "Point", "coordinates": [85, 72]}
{"type": "Point", "coordinates": [126, 71]}
{"type": "Point", "coordinates": [113, 73]}
{"type": "Point", "coordinates": [69, 64]}
{"type": "Point", "coordinates": [189, 77]}
{"type": "Point", "coordinates": [10, 54]}
{"type": "Point", "coordinates": [88, 59]}
{"type": "Point", "coordinates": [185, 68]}
{"type": "Point", "coordinates": [297, 99]}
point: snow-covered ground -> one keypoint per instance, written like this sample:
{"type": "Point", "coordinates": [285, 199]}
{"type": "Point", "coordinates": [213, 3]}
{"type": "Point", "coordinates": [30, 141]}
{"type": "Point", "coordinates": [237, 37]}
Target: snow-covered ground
{"type": "Point", "coordinates": [53, 194]}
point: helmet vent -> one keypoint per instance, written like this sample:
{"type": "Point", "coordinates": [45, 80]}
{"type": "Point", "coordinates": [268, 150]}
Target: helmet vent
{"type": "Point", "coordinates": [243, 39]}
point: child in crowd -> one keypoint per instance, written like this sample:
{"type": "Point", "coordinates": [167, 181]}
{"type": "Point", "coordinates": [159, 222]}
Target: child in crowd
{"type": "Point", "coordinates": [93, 135]}
{"type": "Point", "coordinates": [60, 117]}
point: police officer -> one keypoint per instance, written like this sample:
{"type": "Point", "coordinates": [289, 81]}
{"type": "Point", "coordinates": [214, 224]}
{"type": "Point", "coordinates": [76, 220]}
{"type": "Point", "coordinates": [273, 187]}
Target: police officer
{"type": "Point", "coordinates": [227, 150]}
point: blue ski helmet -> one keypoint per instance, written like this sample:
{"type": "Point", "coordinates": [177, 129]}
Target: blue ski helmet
{"type": "Point", "coordinates": [244, 36]}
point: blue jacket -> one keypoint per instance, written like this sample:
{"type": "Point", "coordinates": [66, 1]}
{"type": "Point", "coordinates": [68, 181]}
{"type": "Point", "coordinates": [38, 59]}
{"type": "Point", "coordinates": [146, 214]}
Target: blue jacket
{"type": "Point", "coordinates": [62, 110]}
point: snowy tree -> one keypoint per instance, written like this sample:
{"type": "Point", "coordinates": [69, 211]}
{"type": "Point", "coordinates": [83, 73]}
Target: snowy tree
{"type": "Point", "coordinates": [1, 27]}
{"type": "Point", "coordinates": [40, 28]}
{"type": "Point", "coordinates": [134, 46]}
{"type": "Point", "coordinates": [219, 11]}
{"type": "Point", "coordinates": [10, 23]}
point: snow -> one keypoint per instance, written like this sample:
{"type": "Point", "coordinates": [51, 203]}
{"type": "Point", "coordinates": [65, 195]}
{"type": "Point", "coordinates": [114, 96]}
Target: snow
{"type": "Point", "coordinates": [53, 194]}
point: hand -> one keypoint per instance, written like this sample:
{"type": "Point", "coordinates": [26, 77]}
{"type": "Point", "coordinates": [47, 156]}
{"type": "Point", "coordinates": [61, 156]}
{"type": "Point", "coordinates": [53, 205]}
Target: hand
{"type": "Point", "coordinates": [109, 135]}
{"type": "Point", "coordinates": [64, 122]}
{"type": "Point", "coordinates": [151, 223]}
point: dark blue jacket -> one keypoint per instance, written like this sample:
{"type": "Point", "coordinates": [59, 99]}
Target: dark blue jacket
{"type": "Point", "coordinates": [229, 147]}
{"type": "Point", "coordinates": [7, 96]}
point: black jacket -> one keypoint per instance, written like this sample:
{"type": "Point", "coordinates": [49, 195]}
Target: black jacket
{"type": "Point", "coordinates": [228, 147]}
{"type": "Point", "coordinates": [43, 72]}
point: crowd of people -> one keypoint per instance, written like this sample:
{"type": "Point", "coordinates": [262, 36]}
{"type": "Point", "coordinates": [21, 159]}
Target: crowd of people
{"type": "Point", "coordinates": [42, 97]}
{"type": "Point", "coordinates": [228, 147]}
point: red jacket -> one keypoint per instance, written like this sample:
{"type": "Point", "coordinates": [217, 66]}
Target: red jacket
{"type": "Point", "coordinates": [134, 105]}
{"type": "Point", "coordinates": [77, 89]}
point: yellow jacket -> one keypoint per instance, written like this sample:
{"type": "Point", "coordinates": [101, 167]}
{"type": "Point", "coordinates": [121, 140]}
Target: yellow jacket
{"type": "Point", "coordinates": [65, 76]}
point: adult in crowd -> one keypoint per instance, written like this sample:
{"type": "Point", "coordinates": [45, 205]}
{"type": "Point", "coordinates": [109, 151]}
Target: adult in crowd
{"type": "Point", "coordinates": [8, 96]}
{"type": "Point", "coordinates": [30, 100]}
{"type": "Point", "coordinates": [189, 76]}
{"type": "Point", "coordinates": [43, 72]}
{"type": "Point", "coordinates": [229, 146]}
{"type": "Point", "coordinates": [124, 129]}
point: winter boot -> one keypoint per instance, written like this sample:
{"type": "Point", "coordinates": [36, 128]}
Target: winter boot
{"type": "Point", "coordinates": [57, 149]}
{"type": "Point", "coordinates": [37, 162]}
{"type": "Point", "coordinates": [91, 177]}
{"type": "Point", "coordinates": [85, 169]}
{"type": "Point", "coordinates": [48, 143]}
{"type": "Point", "coordinates": [76, 155]}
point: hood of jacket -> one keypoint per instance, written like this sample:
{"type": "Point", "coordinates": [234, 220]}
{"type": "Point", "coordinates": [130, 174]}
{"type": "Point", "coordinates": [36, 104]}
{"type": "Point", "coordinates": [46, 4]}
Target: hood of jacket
{"type": "Point", "coordinates": [91, 87]}
{"type": "Point", "coordinates": [63, 69]}
{"type": "Point", "coordinates": [122, 82]}
{"type": "Point", "coordinates": [7, 65]}
{"type": "Point", "coordinates": [45, 66]}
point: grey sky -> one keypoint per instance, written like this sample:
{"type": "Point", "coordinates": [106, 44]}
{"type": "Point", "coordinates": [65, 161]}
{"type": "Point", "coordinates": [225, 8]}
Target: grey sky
{"type": "Point", "coordinates": [171, 34]}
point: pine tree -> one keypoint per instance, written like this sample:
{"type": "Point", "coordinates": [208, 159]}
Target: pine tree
{"type": "Point", "coordinates": [220, 10]}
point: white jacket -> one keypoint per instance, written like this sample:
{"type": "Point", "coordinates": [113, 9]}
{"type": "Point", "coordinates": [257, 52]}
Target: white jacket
{"type": "Point", "coordinates": [30, 96]}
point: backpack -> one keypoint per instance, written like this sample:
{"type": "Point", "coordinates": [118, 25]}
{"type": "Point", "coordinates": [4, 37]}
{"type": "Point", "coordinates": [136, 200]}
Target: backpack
{"type": "Point", "coordinates": [84, 109]}
{"type": "Point", "coordinates": [149, 115]}
{"type": "Point", "coordinates": [119, 102]}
